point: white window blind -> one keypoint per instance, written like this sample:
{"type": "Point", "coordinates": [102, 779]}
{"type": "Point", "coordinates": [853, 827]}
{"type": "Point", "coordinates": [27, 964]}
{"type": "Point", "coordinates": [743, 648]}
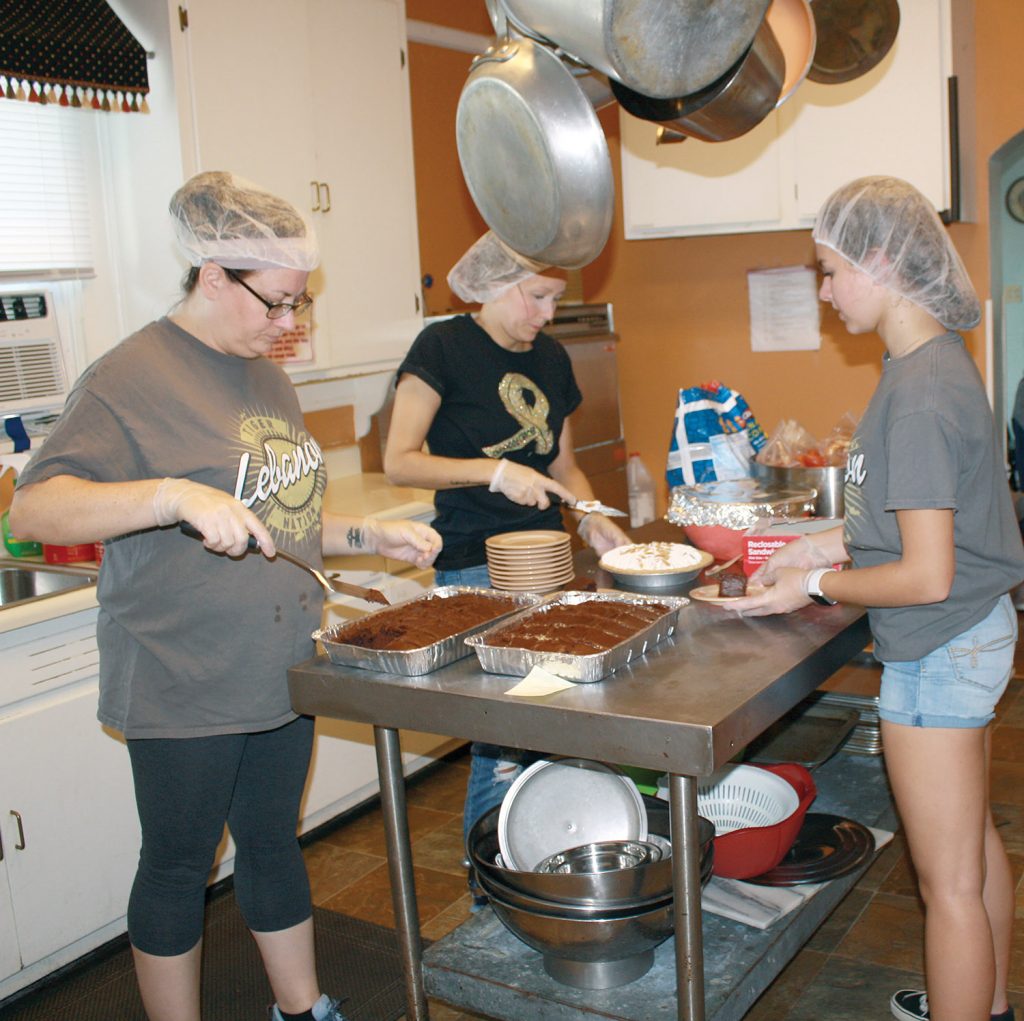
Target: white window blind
{"type": "Point", "coordinates": [45, 221]}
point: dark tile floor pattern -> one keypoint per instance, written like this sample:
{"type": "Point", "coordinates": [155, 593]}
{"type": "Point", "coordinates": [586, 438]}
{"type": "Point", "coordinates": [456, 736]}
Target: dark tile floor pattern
{"type": "Point", "coordinates": [870, 946]}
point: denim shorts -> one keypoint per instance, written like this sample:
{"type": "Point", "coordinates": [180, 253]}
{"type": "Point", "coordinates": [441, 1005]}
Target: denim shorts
{"type": "Point", "coordinates": [959, 684]}
{"type": "Point", "coordinates": [476, 576]}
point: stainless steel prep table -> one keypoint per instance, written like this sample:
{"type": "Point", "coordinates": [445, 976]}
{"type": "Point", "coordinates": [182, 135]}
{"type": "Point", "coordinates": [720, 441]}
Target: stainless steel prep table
{"type": "Point", "coordinates": [685, 708]}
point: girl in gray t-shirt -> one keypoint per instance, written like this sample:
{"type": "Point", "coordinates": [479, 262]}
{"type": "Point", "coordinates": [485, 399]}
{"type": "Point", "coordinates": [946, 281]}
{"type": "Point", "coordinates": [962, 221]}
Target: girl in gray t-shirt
{"type": "Point", "coordinates": [935, 548]}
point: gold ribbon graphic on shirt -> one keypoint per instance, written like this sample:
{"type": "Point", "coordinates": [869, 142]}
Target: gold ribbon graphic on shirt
{"type": "Point", "coordinates": [532, 417]}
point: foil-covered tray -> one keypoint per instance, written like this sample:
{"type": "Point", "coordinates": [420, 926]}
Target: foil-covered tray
{"type": "Point", "coordinates": [501, 659]}
{"type": "Point", "coordinates": [415, 661]}
{"type": "Point", "coordinates": [738, 503]}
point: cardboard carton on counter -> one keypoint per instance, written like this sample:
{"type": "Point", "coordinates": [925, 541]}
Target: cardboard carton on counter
{"type": "Point", "coordinates": [758, 548]}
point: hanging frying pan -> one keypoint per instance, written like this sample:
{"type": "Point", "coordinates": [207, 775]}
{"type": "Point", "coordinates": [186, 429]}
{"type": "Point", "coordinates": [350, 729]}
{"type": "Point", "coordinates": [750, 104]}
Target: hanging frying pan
{"type": "Point", "coordinates": [534, 156]}
{"type": "Point", "coordinates": [792, 22]}
{"type": "Point", "coordinates": [657, 48]}
{"type": "Point", "coordinates": [729, 107]}
{"type": "Point", "coordinates": [853, 36]}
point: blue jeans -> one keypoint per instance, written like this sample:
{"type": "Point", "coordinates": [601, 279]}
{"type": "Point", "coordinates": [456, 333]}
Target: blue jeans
{"type": "Point", "coordinates": [492, 767]}
{"type": "Point", "coordinates": [959, 684]}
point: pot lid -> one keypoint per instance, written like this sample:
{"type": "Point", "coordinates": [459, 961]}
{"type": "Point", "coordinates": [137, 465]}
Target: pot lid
{"type": "Point", "coordinates": [557, 804]}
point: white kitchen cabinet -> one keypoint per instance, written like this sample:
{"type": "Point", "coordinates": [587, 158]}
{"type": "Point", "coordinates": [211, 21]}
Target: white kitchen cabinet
{"type": "Point", "coordinates": [892, 120]}
{"type": "Point", "coordinates": [68, 824]}
{"type": "Point", "coordinates": [311, 100]}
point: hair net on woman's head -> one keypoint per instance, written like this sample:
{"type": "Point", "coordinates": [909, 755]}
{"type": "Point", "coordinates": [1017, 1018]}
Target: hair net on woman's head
{"type": "Point", "coordinates": [219, 217]}
{"type": "Point", "coordinates": [891, 232]}
{"type": "Point", "coordinates": [489, 268]}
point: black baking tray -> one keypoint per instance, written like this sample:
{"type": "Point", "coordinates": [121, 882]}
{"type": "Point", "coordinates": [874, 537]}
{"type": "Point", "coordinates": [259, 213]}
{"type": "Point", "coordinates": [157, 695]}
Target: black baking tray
{"type": "Point", "coordinates": [809, 734]}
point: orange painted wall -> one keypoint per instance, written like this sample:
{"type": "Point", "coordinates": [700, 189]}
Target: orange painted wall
{"type": "Point", "coordinates": [681, 303]}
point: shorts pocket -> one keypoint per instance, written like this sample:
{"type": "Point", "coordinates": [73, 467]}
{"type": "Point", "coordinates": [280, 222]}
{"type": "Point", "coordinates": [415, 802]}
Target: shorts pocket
{"type": "Point", "coordinates": [982, 657]}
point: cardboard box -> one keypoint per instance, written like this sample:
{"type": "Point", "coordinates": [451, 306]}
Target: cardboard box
{"type": "Point", "coordinates": [758, 548]}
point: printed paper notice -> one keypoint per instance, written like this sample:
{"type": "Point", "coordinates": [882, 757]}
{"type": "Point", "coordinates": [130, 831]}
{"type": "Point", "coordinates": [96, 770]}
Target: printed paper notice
{"type": "Point", "coordinates": [784, 309]}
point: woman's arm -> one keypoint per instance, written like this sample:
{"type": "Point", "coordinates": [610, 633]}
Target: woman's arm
{"type": "Point", "coordinates": [67, 510]}
{"type": "Point", "coordinates": [923, 574]}
{"type": "Point", "coordinates": [406, 463]}
{"type": "Point", "coordinates": [412, 541]}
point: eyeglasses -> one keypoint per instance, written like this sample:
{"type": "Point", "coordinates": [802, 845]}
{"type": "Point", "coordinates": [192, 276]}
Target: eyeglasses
{"type": "Point", "coordinates": [275, 309]}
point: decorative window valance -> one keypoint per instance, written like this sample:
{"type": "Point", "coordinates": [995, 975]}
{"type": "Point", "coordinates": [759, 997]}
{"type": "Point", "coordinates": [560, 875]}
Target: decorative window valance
{"type": "Point", "coordinates": [71, 52]}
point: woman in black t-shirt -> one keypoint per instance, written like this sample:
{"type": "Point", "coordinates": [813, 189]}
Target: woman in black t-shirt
{"type": "Point", "coordinates": [481, 415]}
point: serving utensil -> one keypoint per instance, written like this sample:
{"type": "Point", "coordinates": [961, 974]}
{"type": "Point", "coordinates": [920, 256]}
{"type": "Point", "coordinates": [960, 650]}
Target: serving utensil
{"type": "Point", "coordinates": [330, 585]}
{"type": "Point", "coordinates": [595, 507]}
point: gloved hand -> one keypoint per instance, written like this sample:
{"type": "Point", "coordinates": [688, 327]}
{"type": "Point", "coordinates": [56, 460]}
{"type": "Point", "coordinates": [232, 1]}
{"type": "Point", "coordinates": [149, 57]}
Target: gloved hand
{"type": "Point", "coordinates": [525, 486]}
{"type": "Point", "coordinates": [226, 523]}
{"type": "Point", "coordinates": [783, 595]}
{"type": "Point", "coordinates": [411, 541]}
{"type": "Point", "coordinates": [601, 533]}
{"type": "Point", "coordinates": [801, 553]}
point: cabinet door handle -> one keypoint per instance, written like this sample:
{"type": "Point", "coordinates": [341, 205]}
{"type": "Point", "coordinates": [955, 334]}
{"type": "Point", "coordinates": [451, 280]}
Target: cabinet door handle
{"type": "Point", "coordinates": [20, 845]}
{"type": "Point", "coordinates": [325, 205]}
{"type": "Point", "coordinates": [315, 185]}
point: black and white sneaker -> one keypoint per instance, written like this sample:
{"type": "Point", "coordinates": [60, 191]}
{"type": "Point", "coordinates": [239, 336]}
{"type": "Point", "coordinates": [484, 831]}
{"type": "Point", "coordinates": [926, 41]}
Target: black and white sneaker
{"type": "Point", "coordinates": [910, 1005]}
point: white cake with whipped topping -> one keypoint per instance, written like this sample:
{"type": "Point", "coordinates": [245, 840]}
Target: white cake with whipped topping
{"type": "Point", "coordinates": [653, 557]}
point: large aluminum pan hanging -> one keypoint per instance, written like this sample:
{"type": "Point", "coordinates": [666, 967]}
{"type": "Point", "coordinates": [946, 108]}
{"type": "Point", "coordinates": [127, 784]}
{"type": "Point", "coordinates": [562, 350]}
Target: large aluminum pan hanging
{"type": "Point", "coordinates": [853, 36]}
{"type": "Point", "coordinates": [657, 48]}
{"type": "Point", "coordinates": [534, 155]}
{"type": "Point", "coordinates": [727, 108]}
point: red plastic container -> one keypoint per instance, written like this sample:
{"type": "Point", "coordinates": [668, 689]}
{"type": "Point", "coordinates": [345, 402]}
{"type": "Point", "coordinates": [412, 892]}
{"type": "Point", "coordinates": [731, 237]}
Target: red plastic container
{"type": "Point", "coordinates": [69, 554]}
{"type": "Point", "coordinates": [749, 852]}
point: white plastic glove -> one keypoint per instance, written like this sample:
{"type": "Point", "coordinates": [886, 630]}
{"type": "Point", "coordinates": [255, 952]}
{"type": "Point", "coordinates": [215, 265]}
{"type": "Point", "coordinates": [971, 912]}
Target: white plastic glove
{"type": "Point", "coordinates": [800, 553]}
{"type": "Point", "coordinates": [601, 533]}
{"type": "Point", "coordinates": [226, 523]}
{"type": "Point", "coordinates": [525, 486]}
{"type": "Point", "coordinates": [411, 541]}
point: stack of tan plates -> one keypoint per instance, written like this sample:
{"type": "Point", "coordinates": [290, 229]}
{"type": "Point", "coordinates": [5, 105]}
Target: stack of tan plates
{"type": "Point", "coordinates": [535, 561]}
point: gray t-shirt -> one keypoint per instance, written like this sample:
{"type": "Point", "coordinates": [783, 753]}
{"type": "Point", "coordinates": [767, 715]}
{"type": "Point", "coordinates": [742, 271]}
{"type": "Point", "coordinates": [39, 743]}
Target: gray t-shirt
{"type": "Point", "coordinates": [194, 643]}
{"type": "Point", "coordinates": [928, 440]}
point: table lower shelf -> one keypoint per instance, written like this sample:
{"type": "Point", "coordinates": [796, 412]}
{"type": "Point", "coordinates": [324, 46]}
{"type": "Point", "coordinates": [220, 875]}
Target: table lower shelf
{"type": "Point", "coordinates": [482, 968]}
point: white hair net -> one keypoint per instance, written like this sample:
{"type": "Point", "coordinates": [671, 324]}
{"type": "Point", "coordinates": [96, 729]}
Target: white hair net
{"type": "Point", "coordinates": [220, 217]}
{"type": "Point", "coordinates": [489, 268]}
{"type": "Point", "coordinates": [891, 232]}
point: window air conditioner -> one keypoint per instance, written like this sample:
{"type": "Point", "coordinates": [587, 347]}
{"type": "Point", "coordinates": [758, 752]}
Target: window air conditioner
{"type": "Point", "coordinates": [33, 376]}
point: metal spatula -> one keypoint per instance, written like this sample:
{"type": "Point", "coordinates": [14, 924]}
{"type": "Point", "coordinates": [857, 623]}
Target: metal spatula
{"type": "Point", "coordinates": [596, 507]}
{"type": "Point", "coordinates": [370, 595]}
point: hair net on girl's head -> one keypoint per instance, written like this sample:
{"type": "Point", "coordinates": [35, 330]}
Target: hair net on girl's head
{"type": "Point", "coordinates": [891, 232]}
{"type": "Point", "coordinates": [219, 217]}
{"type": "Point", "coordinates": [489, 268]}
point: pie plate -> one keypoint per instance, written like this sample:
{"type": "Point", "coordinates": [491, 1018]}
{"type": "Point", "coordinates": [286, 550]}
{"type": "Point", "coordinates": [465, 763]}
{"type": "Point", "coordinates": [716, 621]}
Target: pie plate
{"type": "Point", "coordinates": [557, 804]}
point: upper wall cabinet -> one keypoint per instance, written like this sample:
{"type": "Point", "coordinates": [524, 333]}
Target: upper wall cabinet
{"type": "Point", "coordinates": [311, 100]}
{"type": "Point", "coordinates": [893, 120]}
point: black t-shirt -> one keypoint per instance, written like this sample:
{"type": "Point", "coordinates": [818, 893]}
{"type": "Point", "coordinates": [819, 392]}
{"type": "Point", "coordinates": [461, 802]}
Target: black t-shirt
{"type": "Point", "coordinates": [494, 403]}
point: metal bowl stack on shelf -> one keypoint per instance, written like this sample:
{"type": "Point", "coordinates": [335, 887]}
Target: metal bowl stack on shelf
{"type": "Point", "coordinates": [595, 929]}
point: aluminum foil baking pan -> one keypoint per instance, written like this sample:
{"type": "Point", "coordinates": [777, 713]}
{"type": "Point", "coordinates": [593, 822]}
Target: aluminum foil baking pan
{"type": "Point", "coordinates": [415, 661]}
{"type": "Point", "coordinates": [738, 504]}
{"type": "Point", "coordinates": [499, 659]}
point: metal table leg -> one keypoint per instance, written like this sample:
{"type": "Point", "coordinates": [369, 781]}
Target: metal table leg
{"type": "Point", "coordinates": [403, 883]}
{"type": "Point", "coordinates": [689, 938]}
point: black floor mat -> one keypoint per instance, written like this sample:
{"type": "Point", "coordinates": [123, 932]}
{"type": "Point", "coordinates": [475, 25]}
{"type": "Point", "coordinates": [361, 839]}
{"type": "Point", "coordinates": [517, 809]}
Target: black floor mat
{"type": "Point", "coordinates": [356, 960]}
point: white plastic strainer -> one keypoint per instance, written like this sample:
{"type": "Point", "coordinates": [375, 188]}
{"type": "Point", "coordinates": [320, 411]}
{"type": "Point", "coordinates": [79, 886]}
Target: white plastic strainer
{"type": "Point", "coordinates": [738, 797]}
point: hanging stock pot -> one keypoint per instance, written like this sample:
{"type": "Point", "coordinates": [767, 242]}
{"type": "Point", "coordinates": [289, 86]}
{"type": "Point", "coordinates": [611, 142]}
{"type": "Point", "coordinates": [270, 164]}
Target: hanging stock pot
{"type": "Point", "coordinates": [730, 106]}
{"type": "Point", "coordinates": [655, 48]}
{"type": "Point", "coordinates": [534, 156]}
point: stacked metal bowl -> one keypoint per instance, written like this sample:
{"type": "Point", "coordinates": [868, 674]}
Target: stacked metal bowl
{"type": "Point", "coordinates": [596, 912]}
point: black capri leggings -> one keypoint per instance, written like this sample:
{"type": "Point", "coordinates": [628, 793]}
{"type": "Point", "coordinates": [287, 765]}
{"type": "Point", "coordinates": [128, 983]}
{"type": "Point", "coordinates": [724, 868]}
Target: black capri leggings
{"type": "Point", "coordinates": [185, 790]}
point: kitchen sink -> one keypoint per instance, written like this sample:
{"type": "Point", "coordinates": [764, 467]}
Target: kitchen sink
{"type": "Point", "coordinates": [21, 583]}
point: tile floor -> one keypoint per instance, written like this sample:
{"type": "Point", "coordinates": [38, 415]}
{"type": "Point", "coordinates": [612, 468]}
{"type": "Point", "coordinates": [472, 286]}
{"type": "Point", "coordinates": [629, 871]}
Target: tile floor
{"type": "Point", "coordinates": [870, 946]}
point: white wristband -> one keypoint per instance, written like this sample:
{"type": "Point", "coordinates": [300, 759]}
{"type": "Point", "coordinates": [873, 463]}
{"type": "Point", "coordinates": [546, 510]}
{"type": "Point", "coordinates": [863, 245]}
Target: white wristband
{"type": "Point", "coordinates": [498, 472]}
{"type": "Point", "coordinates": [812, 584]}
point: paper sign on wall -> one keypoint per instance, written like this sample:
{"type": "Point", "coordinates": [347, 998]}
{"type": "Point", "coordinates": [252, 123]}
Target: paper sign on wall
{"type": "Point", "coordinates": [784, 309]}
{"type": "Point", "coordinates": [293, 347]}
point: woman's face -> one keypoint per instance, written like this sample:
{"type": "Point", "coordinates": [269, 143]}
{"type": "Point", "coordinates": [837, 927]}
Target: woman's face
{"type": "Point", "coordinates": [859, 301]}
{"type": "Point", "coordinates": [524, 310]}
{"type": "Point", "coordinates": [246, 332]}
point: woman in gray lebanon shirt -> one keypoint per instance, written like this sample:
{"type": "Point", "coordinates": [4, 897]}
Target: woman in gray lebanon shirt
{"type": "Point", "coordinates": [188, 421]}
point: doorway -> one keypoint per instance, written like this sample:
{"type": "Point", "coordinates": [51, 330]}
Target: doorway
{"type": "Point", "coordinates": [1006, 238]}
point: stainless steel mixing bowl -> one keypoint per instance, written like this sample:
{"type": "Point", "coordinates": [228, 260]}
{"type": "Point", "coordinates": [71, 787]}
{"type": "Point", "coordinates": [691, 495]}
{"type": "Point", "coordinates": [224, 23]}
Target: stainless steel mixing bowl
{"type": "Point", "coordinates": [609, 890]}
